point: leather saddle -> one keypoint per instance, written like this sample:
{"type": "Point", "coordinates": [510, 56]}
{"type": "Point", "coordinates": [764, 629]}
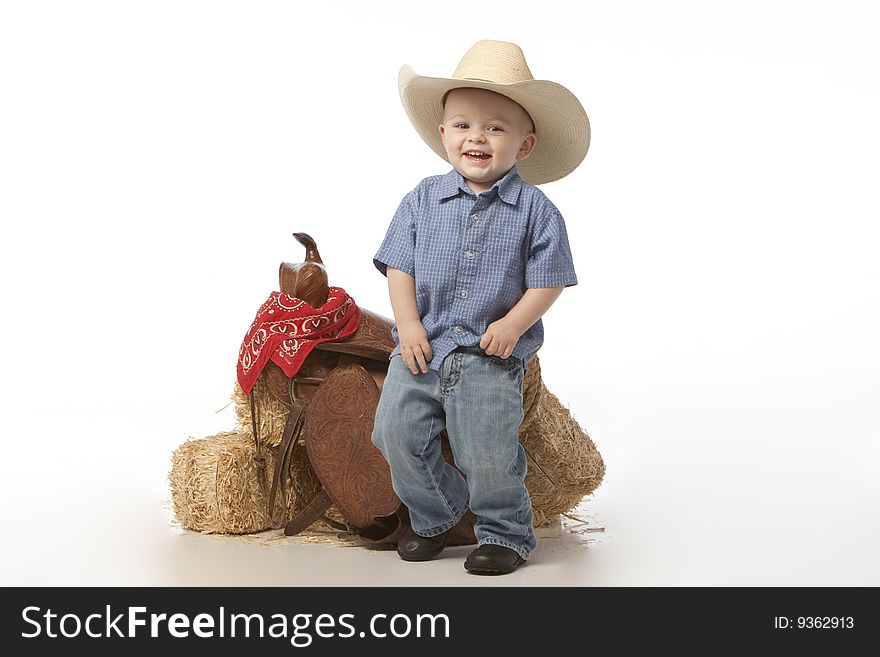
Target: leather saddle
{"type": "Point", "coordinates": [332, 401]}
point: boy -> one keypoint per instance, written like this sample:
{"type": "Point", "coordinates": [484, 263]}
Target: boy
{"type": "Point", "coordinates": [474, 258]}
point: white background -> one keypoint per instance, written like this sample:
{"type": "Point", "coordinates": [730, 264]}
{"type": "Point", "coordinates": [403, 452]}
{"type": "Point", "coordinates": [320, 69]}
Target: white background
{"type": "Point", "coordinates": [721, 347]}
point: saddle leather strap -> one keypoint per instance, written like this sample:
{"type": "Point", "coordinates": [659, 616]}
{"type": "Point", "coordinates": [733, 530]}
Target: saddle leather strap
{"type": "Point", "coordinates": [292, 431]}
{"type": "Point", "coordinates": [314, 510]}
{"type": "Point", "coordinates": [259, 459]}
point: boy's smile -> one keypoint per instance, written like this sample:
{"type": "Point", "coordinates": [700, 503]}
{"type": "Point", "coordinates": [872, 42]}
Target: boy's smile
{"type": "Point", "coordinates": [484, 134]}
{"type": "Point", "coordinates": [477, 156]}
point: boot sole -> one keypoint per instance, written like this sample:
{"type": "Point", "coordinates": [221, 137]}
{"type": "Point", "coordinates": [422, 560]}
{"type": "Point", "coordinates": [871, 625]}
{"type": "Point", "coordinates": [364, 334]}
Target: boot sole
{"type": "Point", "coordinates": [420, 558]}
{"type": "Point", "coordinates": [489, 570]}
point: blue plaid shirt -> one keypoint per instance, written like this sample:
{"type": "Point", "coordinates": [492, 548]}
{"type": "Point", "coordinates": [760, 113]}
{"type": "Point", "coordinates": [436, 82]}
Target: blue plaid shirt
{"type": "Point", "coordinates": [473, 257]}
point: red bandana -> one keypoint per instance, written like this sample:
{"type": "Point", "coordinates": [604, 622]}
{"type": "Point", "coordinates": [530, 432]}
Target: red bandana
{"type": "Point", "coordinates": [286, 329]}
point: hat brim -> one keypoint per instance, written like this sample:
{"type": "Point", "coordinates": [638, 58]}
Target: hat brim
{"type": "Point", "coordinates": [561, 122]}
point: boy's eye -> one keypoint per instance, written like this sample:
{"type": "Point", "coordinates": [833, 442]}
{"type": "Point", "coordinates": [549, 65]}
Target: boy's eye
{"type": "Point", "coordinates": [495, 128]}
{"type": "Point", "coordinates": [461, 126]}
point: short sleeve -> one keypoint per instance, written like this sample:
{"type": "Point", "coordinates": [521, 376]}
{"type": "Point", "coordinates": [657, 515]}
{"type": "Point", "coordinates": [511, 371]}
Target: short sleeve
{"type": "Point", "coordinates": [398, 248]}
{"type": "Point", "coordinates": [550, 263]}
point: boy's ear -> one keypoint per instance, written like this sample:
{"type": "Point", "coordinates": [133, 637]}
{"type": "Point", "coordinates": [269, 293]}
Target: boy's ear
{"type": "Point", "coordinates": [442, 134]}
{"type": "Point", "coordinates": [527, 146]}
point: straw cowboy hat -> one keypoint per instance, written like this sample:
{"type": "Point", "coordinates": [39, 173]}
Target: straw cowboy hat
{"type": "Point", "coordinates": [561, 123]}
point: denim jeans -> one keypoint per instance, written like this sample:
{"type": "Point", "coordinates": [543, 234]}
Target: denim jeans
{"type": "Point", "coordinates": [478, 400]}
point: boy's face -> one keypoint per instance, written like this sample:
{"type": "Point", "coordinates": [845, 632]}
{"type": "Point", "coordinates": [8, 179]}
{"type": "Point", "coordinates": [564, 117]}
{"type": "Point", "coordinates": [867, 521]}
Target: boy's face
{"type": "Point", "coordinates": [484, 134]}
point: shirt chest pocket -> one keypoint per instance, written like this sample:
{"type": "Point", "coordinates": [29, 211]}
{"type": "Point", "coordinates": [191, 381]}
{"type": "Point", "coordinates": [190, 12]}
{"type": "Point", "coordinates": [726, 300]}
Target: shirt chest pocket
{"type": "Point", "coordinates": [507, 240]}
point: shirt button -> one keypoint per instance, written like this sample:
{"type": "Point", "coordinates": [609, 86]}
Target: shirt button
{"type": "Point", "coordinates": [475, 216]}
{"type": "Point", "coordinates": [458, 329]}
{"type": "Point", "coordinates": [463, 294]}
{"type": "Point", "coordinates": [468, 254]}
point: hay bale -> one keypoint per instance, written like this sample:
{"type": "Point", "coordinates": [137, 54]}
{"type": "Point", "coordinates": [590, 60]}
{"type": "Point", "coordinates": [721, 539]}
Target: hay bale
{"type": "Point", "coordinates": [564, 463]}
{"type": "Point", "coordinates": [215, 487]}
{"type": "Point", "coordinates": [271, 412]}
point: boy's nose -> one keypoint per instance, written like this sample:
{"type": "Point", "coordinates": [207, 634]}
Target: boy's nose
{"type": "Point", "coordinates": [477, 137]}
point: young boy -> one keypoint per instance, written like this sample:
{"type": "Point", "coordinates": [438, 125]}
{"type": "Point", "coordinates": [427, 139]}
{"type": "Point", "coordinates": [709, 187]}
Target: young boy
{"type": "Point", "coordinates": [474, 258]}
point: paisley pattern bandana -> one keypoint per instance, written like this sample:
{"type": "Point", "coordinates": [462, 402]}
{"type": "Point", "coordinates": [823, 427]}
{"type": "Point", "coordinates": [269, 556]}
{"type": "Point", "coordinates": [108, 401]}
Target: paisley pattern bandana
{"type": "Point", "coordinates": [286, 329]}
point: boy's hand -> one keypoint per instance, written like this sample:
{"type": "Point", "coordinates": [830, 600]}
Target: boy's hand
{"type": "Point", "coordinates": [414, 346]}
{"type": "Point", "coordinates": [500, 338]}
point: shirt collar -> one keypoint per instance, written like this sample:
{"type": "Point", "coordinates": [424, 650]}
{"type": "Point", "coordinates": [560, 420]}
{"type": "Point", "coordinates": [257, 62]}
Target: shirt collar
{"type": "Point", "coordinates": [507, 188]}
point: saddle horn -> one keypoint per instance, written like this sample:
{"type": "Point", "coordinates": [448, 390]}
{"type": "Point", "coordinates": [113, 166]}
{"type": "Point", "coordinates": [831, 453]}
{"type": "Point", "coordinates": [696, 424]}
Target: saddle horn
{"type": "Point", "coordinates": [305, 280]}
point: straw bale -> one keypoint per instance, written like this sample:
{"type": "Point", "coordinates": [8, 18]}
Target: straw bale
{"type": "Point", "coordinates": [215, 487]}
{"type": "Point", "coordinates": [564, 463]}
{"type": "Point", "coordinates": [271, 412]}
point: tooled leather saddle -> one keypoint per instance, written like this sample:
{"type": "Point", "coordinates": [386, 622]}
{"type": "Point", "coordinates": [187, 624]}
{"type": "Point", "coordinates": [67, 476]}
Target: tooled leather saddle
{"type": "Point", "coordinates": [332, 402]}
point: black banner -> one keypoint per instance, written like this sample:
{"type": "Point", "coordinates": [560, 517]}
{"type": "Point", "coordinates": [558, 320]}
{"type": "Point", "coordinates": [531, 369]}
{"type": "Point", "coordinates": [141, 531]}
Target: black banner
{"type": "Point", "coordinates": [435, 620]}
